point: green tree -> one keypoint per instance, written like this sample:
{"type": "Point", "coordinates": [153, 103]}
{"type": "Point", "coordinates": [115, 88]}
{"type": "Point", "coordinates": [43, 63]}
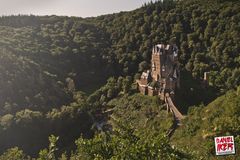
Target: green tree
{"type": "Point", "coordinates": [14, 154]}
{"type": "Point", "coordinates": [49, 154]}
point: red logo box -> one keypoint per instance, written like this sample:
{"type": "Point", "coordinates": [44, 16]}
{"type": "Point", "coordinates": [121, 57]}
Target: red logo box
{"type": "Point", "coordinates": [224, 145]}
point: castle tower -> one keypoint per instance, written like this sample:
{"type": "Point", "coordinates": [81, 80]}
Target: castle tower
{"type": "Point", "coordinates": [158, 69]}
{"type": "Point", "coordinates": [165, 67]}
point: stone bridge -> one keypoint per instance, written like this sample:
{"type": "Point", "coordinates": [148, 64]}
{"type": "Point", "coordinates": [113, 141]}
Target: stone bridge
{"type": "Point", "coordinates": [176, 114]}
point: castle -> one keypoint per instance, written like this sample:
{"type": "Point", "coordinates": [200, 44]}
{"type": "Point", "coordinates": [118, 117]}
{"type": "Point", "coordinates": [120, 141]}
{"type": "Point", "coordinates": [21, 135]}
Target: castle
{"type": "Point", "coordinates": [164, 76]}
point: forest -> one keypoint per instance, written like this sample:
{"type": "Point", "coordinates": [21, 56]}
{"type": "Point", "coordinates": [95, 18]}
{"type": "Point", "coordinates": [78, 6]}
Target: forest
{"type": "Point", "coordinates": [68, 86]}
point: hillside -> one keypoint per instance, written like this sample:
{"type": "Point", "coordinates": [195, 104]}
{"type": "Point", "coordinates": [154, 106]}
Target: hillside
{"type": "Point", "coordinates": [24, 84]}
{"type": "Point", "coordinates": [220, 117]}
{"type": "Point", "coordinates": [83, 49]}
{"type": "Point", "coordinates": [59, 74]}
{"type": "Point", "coordinates": [59, 49]}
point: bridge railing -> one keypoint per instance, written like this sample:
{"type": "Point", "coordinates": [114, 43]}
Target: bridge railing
{"type": "Point", "coordinates": [178, 115]}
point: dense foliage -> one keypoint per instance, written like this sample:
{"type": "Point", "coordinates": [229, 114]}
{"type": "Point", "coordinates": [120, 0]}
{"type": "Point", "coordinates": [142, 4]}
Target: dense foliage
{"type": "Point", "coordinates": [29, 129]}
{"type": "Point", "coordinates": [144, 114]}
{"type": "Point", "coordinates": [45, 61]}
{"type": "Point", "coordinates": [207, 34]}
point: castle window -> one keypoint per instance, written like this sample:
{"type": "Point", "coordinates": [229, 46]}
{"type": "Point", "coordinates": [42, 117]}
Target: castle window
{"type": "Point", "coordinates": [174, 48]}
{"type": "Point", "coordinates": [163, 68]}
{"type": "Point", "coordinates": [175, 53]}
{"type": "Point", "coordinates": [161, 51]}
{"type": "Point", "coordinates": [154, 66]}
